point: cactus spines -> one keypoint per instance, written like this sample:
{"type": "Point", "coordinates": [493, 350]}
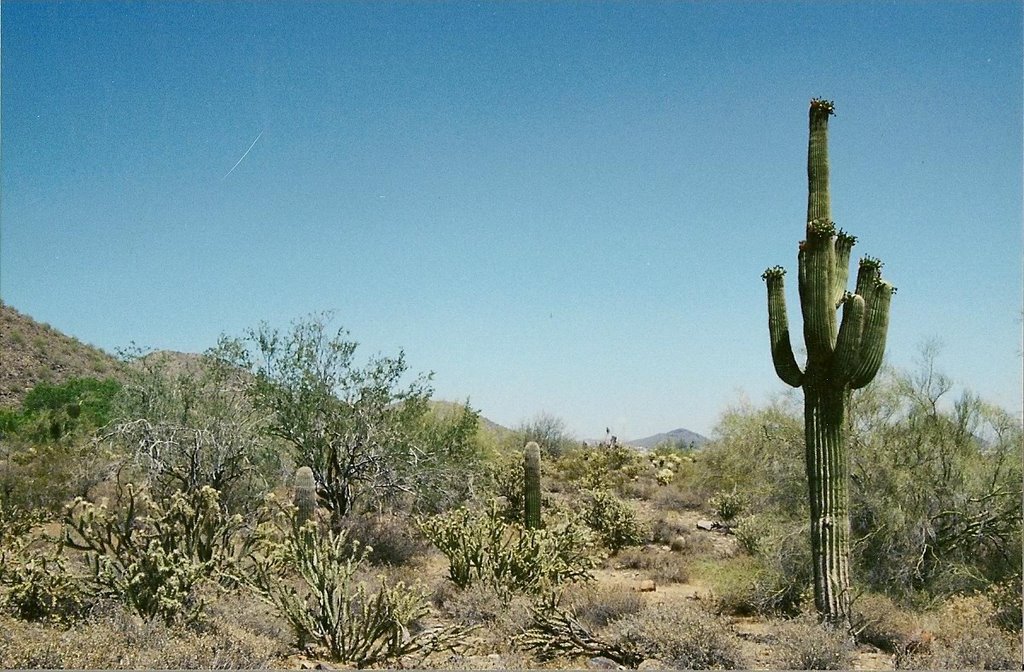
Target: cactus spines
{"type": "Point", "coordinates": [305, 495]}
{"type": "Point", "coordinates": [531, 486]}
{"type": "Point", "coordinates": [842, 355]}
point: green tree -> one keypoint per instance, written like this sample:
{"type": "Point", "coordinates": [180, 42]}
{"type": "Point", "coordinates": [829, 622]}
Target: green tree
{"type": "Point", "coordinates": [361, 429]}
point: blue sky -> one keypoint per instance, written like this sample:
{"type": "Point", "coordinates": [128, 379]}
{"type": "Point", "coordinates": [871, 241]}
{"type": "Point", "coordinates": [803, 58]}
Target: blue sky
{"type": "Point", "coordinates": [559, 208]}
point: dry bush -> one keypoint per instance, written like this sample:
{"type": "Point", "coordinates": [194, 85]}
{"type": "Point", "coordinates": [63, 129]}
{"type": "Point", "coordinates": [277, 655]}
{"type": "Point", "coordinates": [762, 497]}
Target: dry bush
{"type": "Point", "coordinates": [881, 622]}
{"type": "Point", "coordinates": [682, 636]}
{"type": "Point", "coordinates": [598, 605]}
{"type": "Point", "coordinates": [654, 563]}
{"type": "Point", "coordinates": [664, 529]}
{"type": "Point", "coordinates": [390, 540]}
{"type": "Point", "coordinates": [676, 496]}
{"type": "Point", "coordinates": [501, 618]}
{"type": "Point", "coordinates": [966, 637]}
{"type": "Point", "coordinates": [118, 640]}
{"type": "Point", "coordinates": [804, 644]}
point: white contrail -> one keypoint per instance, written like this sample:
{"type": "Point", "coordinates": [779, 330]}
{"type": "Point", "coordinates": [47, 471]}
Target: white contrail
{"type": "Point", "coordinates": [243, 155]}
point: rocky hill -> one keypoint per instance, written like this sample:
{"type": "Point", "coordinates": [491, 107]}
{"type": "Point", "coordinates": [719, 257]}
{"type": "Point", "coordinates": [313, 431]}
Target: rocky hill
{"type": "Point", "coordinates": [676, 436]}
{"type": "Point", "coordinates": [32, 352]}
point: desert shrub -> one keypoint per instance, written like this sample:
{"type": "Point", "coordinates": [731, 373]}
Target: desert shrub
{"type": "Point", "coordinates": [499, 619]}
{"type": "Point", "coordinates": [601, 467]}
{"type": "Point", "coordinates": [683, 636]}
{"type": "Point", "coordinates": [744, 586]}
{"type": "Point", "coordinates": [388, 539]}
{"type": "Point", "coordinates": [656, 564]}
{"type": "Point", "coordinates": [38, 586]}
{"type": "Point", "coordinates": [503, 480]}
{"type": "Point", "coordinates": [333, 611]}
{"type": "Point", "coordinates": [664, 529]}
{"type": "Point", "coordinates": [614, 522]}
{"type": "Point", "coordinates": [481, 546]}
{"type": "Point", "coordinates": [804, 644]}
{"type": "Point", "coordinates": [966, 637]}
{"type": "Point", "coordinates": [678, 496]}
{"type": "Point", "coordinates": [782, 553]}
{"type": "Point", "coordinates": [116, 640]}
{"type": "Point", "coordinates": [548, 432]}
{"type": "Point", "coordinates": [728, 504]}
{"type": "Point", "coordinates": [598, 605]}
{"type": "Point", "coordinates": [155, 556]}
{"type": "Point", "coordinates": [936, 504]}
{"type": "Point", "coordinates": [878, 620]}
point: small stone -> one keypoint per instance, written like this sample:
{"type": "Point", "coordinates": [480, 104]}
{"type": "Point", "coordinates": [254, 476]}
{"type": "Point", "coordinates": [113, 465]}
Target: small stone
{"type": "Point", "coordinates": [652, 664]}
{"type": "Point", "coordinates": [647, 586]}
{"type": "Point", "coordinates": [705, 525]}
{"type": "Point", "coordinates": [602, 663]}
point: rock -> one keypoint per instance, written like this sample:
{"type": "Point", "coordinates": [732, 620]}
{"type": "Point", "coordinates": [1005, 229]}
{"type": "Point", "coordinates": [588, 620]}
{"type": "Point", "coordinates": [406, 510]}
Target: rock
{"type": "Point", "coordinates": [652, 664]}
{"type": "Point", "coordinates": [602, 663]}
{"type": "Point", "coordinates": [647, 586]}
{"type": "Point", "coordinates": [705, 525]}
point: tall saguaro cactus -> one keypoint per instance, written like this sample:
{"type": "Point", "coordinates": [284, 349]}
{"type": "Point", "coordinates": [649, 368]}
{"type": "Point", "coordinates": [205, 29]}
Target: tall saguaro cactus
{"type": "Point", "coordinates": [531, 485]}
{"type": "Point", "coordinates": [840, 358]}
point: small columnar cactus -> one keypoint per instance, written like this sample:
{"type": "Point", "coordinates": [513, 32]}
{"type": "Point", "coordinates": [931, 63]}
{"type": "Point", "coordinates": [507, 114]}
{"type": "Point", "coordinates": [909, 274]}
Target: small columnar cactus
{"type": "Point", "coordinates": [843, 354]}
{"type": "Point", "coordinates": [531, 485]}
{"type": "Point", "coordinates": [305, 495]}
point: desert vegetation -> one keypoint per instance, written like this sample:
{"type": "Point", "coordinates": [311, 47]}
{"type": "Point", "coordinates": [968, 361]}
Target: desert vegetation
{"type": "Point", "coordinates": [278, 502]}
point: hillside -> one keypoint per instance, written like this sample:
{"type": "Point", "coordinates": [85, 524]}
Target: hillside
{"type": "Point", "coordinates": [676, 436]}
{"type": "Point", "coordinates": [32, 352]}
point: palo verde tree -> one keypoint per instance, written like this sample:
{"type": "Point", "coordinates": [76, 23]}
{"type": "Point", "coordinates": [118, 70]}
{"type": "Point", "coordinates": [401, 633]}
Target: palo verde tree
{"type": "Point", "coordinates": [360, 429]}
{"type": "Point", "coordinates": [841, 356]}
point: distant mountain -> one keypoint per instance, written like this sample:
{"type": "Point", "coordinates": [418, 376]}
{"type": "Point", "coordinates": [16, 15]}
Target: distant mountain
{"type": "Point", "coordinates": [683, 436]}
{"type": "Point", "coordinates": [32, 353]}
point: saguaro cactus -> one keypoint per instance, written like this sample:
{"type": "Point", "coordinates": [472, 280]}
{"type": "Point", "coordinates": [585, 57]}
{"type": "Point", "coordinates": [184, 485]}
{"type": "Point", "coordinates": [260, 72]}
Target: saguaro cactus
{"type": "Point", "coordinates": [839, 359]}
{"type": "Point", "coordinates": [305, 495]}
{"type": "Point", "coordinates": [531, 485]}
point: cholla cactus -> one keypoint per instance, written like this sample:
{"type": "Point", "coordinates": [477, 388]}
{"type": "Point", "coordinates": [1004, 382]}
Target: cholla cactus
{"type": "Point", "coordinates": [305, 495]}
{"type": "Point", "coordinates": [531, 485]}
{"type": "Point", "coordinates": [841, 356]}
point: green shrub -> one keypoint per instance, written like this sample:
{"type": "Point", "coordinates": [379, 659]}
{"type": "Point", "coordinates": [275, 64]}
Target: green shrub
{"type": "Point", "coordinates": [614, 522]}
{"type": "Point", "coordinates": [481, 546]}
{"type": "Point", "coordinates": [728, 505]}
{"type": "Point", "coordinates": [655, 564]}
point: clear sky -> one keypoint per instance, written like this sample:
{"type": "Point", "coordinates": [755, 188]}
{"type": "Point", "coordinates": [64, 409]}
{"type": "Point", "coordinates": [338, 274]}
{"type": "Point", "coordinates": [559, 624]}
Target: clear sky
{"type": "Point", "coordinates": [556, 207]}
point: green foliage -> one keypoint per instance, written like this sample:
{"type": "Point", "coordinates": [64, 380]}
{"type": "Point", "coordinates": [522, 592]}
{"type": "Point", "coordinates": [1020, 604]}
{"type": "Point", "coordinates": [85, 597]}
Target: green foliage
{"type": "Point", "coordinates": [728, 504]}
{"type": "Point", "coordinates": [85, 400]}
{"type": "Point", "coordinates": [482, 547]}
{"type": "Point", "coordinates": [331, 609]}
{"type": "Point", "coordinates": [360, 429]}
{"type": "Point", "coordinates": [155, 556]}
{"type": "Point", "coordinates": [614, 522]}
{"type": "Point", "coordinates": [936, 502]}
